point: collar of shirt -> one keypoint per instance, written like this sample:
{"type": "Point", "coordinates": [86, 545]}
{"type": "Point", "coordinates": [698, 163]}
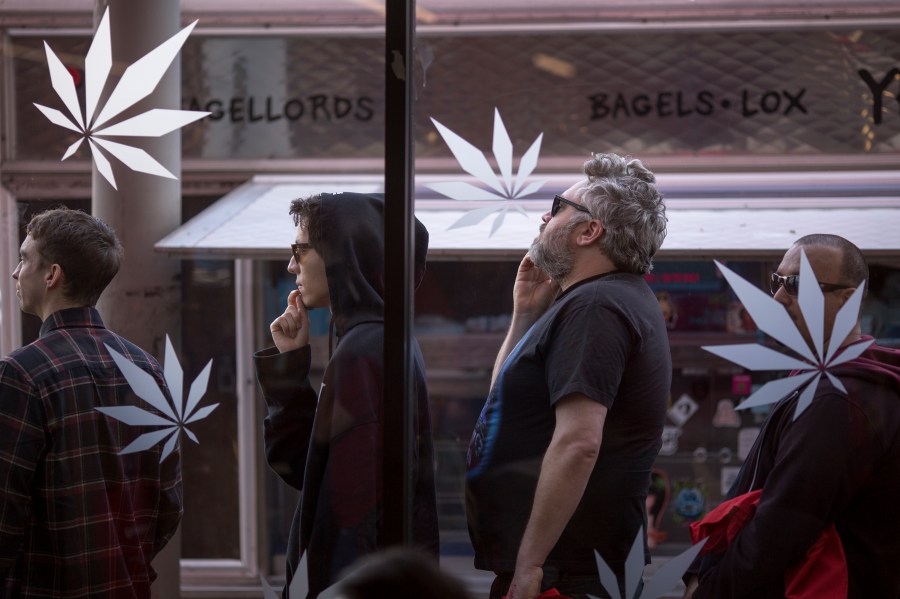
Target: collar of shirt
{"type": "Point", "coordinates": [72, 317]}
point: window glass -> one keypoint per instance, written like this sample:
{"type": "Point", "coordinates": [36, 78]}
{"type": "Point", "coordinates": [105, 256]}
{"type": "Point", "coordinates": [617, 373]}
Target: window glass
{"type": "Point", "coordinates": [207, 311]}
{"type": "Point", "coordinates": [507, 108]}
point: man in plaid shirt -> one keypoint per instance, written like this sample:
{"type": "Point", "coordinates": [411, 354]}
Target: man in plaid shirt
{"type": "Point", "coordinates": [76, 519]}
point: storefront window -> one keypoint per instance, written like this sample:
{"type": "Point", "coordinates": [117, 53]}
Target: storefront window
{"type": "Point", "coordinates": [208, 301]}
{"type": "Point", "coordinates": [758, 133]}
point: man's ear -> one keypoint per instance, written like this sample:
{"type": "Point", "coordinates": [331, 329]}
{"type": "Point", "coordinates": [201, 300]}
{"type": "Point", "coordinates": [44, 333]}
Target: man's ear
{"type": "Point", "coordinates": [55, 278]}
{"type": "Point", "coordinates": [845, 294]}
{"type": "Point", "coordinates": [593, 230]}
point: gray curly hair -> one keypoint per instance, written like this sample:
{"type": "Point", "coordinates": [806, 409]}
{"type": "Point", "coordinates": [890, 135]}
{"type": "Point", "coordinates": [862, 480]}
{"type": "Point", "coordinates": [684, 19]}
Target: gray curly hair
{"type": "Point", "coordinates": [622, 193]}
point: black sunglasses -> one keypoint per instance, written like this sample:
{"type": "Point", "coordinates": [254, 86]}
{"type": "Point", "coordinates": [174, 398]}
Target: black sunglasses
{"type": "Point", "coordinates": [791, 284]}
{"type": "Point", "coordinates": [558, 200]}
{"type": "Point", "coordinates": [298, 249]}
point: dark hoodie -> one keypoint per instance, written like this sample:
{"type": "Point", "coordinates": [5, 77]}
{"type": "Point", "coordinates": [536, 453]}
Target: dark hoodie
{"type": "Point", "coordinates": [329, 445]}
{"type": "Point", "coordinates": [838, 462]}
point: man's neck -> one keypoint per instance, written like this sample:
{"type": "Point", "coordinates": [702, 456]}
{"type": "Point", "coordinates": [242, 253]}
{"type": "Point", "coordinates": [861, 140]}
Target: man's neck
{"type": "Point", "coordinates": [854, 336]}
{"type": "Point", "coordinates": [587, 269]}
{"type": "Point", "coordinates": [50, 307]}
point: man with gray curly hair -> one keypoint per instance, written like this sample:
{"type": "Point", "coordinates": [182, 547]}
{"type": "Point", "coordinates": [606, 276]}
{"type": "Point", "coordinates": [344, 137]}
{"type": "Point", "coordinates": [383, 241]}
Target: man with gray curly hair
{"type": "Point", "coordinates": [559, 462]}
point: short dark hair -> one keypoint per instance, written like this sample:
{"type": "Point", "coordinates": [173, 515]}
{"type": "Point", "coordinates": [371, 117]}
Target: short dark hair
{"type": "Point", "coordinates": [306, 215]}
{"type": "Point", "coordinates": [85, 247]}
{"type": "Point", "coordinates": [622, 193]}
{"type": "Point", "coordinates": [854, 269]}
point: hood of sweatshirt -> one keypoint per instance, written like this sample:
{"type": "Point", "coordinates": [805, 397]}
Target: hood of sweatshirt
{"type": "Point", "coordinates": [877, 364]}
{"type": "Point", "coordinates": [351, 244]}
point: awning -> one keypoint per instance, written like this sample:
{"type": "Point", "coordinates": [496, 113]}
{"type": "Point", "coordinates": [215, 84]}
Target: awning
{"type": "Point", "coordinates": [710, 216]}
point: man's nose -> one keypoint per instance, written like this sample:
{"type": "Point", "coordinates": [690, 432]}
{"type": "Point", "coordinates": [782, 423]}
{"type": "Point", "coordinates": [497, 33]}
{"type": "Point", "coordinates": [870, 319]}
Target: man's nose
{"type": "Point", "coordinates": [782, 297]}
{"type": "Point", "coordinates": [546, 217]}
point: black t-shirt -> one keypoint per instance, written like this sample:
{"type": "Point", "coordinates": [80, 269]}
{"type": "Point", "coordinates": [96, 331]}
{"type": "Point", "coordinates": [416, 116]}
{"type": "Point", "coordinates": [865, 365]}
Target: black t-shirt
{"type": "Point", "coordinates": [605, 338]}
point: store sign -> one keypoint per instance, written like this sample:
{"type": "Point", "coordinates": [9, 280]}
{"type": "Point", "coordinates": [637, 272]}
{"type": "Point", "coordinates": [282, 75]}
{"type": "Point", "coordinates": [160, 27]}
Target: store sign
{"type": "Point", "coordinates": [699, 94]}
{"type": "Point", "coordinates": [704, 103]}
{"type": "Point", "coordinates": [880, 88]}
{"type": "Point", "coordinates": [678, 278]}
{"type": "Point", "coordinates": [268, 109]}
{"type": "Point", "coordinates": [689, 277]}
{"type": "Point", "coordinates": [747, 103]}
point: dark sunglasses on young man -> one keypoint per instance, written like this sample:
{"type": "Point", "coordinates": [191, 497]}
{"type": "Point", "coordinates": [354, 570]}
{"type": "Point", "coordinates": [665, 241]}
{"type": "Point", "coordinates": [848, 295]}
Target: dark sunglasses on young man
{"type": "Point", "coordinates": [791, 284]}
{"type": "Point", "coordinates": [558, 201]}
{"type": "Point", "coordinates": [298, 249]}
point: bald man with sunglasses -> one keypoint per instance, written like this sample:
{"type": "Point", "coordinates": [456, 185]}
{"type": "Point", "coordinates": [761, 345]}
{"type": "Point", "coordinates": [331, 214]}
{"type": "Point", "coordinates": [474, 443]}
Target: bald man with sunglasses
{"type": "Point", "coordinates": [836, 464]}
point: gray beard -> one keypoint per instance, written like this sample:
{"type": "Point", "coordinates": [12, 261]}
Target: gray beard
{"type": "Point", "coordinates": [552, 255]}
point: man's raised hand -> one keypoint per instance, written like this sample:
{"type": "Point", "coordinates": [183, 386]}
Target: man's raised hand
{"type": "Point", "coordinates": [290, 331]}
{"type": "Point", "coordinates": [534, 291]}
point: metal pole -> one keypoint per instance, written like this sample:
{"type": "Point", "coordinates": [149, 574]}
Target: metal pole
{"type": "Point", "coordinates": [399, 255]}
{"type": "Point", "coordinates": [143, 301]}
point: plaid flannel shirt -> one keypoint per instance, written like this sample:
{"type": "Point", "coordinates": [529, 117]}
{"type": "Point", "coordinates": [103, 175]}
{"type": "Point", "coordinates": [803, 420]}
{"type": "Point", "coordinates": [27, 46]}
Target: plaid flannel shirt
{"type": "Point", "coordinates": [77, 519]}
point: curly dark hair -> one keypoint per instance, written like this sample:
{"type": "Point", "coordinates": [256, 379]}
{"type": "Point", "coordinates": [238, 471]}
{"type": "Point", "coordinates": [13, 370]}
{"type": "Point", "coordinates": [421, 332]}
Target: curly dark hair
{"type": "Point", "coordinates": [306, 215]}
{"type": "Point", "coordinates": [85, 247]}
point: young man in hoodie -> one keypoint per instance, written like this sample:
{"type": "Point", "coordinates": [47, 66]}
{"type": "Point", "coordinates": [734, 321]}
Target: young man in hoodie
{"type": "Point", "coordinates": [837, 463]}
{"type": "Point", "coordinates": [329, 444]}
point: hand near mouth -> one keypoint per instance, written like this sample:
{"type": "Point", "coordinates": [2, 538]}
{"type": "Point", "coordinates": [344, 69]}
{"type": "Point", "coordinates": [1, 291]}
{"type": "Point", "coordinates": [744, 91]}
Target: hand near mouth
{"type": "Point", "coordinates": [290, 331]}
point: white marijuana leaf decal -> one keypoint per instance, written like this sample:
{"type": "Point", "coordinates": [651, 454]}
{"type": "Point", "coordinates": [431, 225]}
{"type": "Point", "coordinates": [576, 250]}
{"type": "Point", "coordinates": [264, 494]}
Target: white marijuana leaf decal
{"type": "Point", "coordinates": [663, 580]}
{"type": "Point", "coordinates": [175, 418]}
{"type": "Point", "coordinates": [772, 318]}
{"type": "Point", "coordinates": [138, 82]}
{"type": "Point", "coordinates": [505, 187]}
{"type": "Point", "coordinates": [299, 586]}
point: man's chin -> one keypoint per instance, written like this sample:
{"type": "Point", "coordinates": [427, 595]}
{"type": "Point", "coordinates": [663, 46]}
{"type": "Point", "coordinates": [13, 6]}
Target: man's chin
{"type": "Point", "coordinates": [537, 255]}
{"type": "Point", "coordinates": [313, 304]}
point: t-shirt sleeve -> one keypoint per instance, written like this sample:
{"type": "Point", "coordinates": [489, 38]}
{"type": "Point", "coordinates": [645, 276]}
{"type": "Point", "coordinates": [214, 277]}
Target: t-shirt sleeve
{"type": "Point", "coordinates": [587, 350]}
